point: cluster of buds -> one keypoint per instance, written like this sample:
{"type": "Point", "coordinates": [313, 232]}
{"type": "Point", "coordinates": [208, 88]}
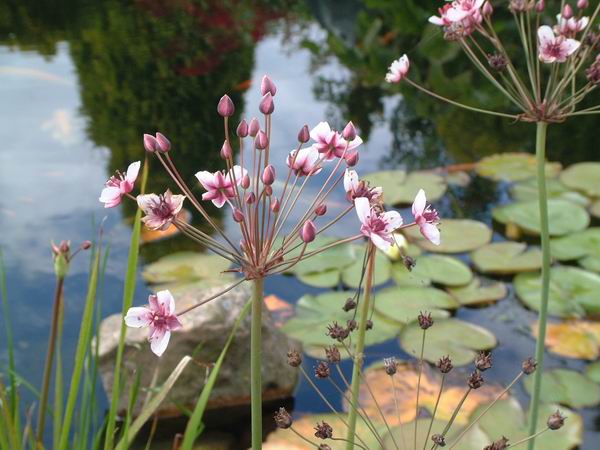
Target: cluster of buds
{"type": "Point", "coordinates": [62, 256]}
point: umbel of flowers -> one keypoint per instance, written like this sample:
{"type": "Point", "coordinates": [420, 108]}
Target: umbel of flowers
{"type": "Point", "coordinates": [561, 67]}
{"type": "Point", "coordinates": [275, 226]}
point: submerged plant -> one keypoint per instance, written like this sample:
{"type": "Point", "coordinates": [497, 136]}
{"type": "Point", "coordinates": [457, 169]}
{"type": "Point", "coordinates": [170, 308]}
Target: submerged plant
{"type": "Point", "coordinates": [562, 67]}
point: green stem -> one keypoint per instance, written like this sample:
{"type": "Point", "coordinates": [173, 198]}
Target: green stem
{"type": "Point", "coordinates": [540, 151]}
{"type": "Point", "coordinates": [360, 347]}
{"type": "Point", "coordinates": [255, 363]}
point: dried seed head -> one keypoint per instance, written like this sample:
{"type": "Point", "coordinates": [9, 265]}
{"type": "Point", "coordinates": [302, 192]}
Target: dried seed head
{"type": "Point", "coordinates": [254, 127]}
{"type": "Point", "coordinates": [529, 366]}
{"type": "Point", "coordinates": [593, 72]}
{"type": "Point", "coordinates": [408, 262]}
{"type": "Point", "coordinates": [349, 305]}
{"type": "Point", "coordinates": [391, 366]}
{"type": "Point", "coordinates": [475, 380]}
{"type": "Point", "coordinates": [351, 325]}
{"type": "Point", "coordinates": [242, 129]}
{"type": "Point", "coordinates": [333, 354]}
{"type": "Point", "coordinates": [349, 132]}
{"type": "Point", "coordinates": [438, 439]}
{"type": "Point", "coordinates": [164, 145]}
{"type": "Point", "coordinates": [323, 431]}
{"type": "Point", "coordinates": [283, 419]}
{"type": "Point", "coordinates": [267, 105]}
{"type": "Point", "coordinates": [303, 135]}
{"type": "Point", "coordinates": [444, 364]}
{"type": "Point", "coordinates": [335, 331]}
{"type": "Point", "coordinates": [483, 361]}
{"type": "Point", "coordinates": [425, 320]}
{"type": "Point", "coordinates": [500, 444]}
{"type": "Point", "coordinates": [225, 107]}
{"type": "Point", "coordinates": [322, 370]}
{"type": "Point", "coordinates": [369, 325]}
{"type": "Point", "coordinates": [294, 358]}
{"type": "Point", "coordinates": [556, 420]}
{"type": "Point", "coordinates": [324, 447]}
{"type": "Point", "coordinates": [497, 61]}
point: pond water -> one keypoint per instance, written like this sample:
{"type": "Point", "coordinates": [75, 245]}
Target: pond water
{"type": "Point", "coordinates": [81, 81]}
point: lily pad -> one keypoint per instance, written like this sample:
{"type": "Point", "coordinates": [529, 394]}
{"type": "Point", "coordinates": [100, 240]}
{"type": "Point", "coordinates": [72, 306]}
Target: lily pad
{"type": "Point", "coordinates": [186, 267]}
{"type": "Point", "coordinates": [352, 273]}
{"type": "Point", "coordinates": [567, 387]}
{"type": "Point", "coordinates": [593, 372]}
{"type": "Point", "coordinates": [506, 258]}
{"type": "Point", "coordinates": [404, 277]}
{"type": "Point", "coordinates": [325, 279]}
{"type": "Point", "coordinates": [460, 340]}
{"type": "Point", "coordinates": [478, 292]}
{"type": "Point", "coordinates": [527, 190]}
{"type": "Point", "coordinates": [584, 177]}
{"type": "Point", "coordinates": [458, 235]}
{"type": "Point", "coordinates": [401, 188]}
{"type": "Point", "coordinates": [403, 304]}
{"type": "Point", "coordinates": [591, 262]}
{"type": "Point", "coordinates": [573, 291]}
{"type": "Point", "coordinates": [336, 257]}
{"type": "Point", "coordinates": [577, 245]}
{"type": "Point", "coordinates": [513, 167]}
{"type": "Point", "coordinates": [595, 209]}
{"type": "Point", "coordinates": [564, 217]}
{"type": "Point", "coordinates": [574, 338]}
{"type": "Point", "coordinates": [443, 269]}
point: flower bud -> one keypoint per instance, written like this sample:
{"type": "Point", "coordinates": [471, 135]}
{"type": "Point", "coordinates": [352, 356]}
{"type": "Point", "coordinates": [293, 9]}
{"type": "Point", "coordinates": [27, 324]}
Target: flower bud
{"type": "Point", "coordinates": [64, 247]}
{"type": "Point", "coordinates": [267, 106]}
{"type": "Point", "coordinates": [226, 151]}
{"type": "Point", "coordinates": [304, 135]}
{"type": "Point", "coordinates": [245, 181]}
{"type": "Point", "coordinates": [268, 175]}
{"type": "Point", "coordinates": [275, 205]}
{"type": "Point", "coordinates": [567, 11]}
{"type": "Point", "coordinates": [242, 129]}
{"type": "Point", "coordinates": [164, 145]}
{"type": "Point", "coordinates": [321, 210]}
{"type": "Point", "coordinates": [487, 9]}
{"type": "Point", "coordinates": [238, 215]}
{"type": "Point", "coordinates": [267, 85]}
{"type": "Point", "coordinates": [308, 231]}
{"type": "Point", "coordinates": [349, 132]}
{"type": "Point", "coordinates": [150, 143]}
{"type": "Point", "coordinates": [254, 127]}
{"type": "Point", "coordinates": [540, 6]}
{"type": "Point", "coordinates": [268, 190]}
{"type": "Point", "coordinates": [261, 141]}
{"type": "Point", "coordinates": [85, 245]}
{"type": "Point", "coordinates": [351, 158]}
{"type": "Point", "coordinates": [250, 198]}
{"type": "Point", "coordinates": [225, 107]}
{"type": "Point", "coordinates": [582, 4]}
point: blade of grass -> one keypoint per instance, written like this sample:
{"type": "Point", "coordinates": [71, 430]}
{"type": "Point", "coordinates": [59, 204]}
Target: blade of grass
{"type": "Point", "coordinates": [193, 427]}
{"type": "Point", "coordinates": [14, 409]}
{"type": "Point", "coordinates": [153, 404]}
{"type": "Point", "coordinates": [134, 390]}
{"type": "Point", "coordinates": [12, 433]}
{"type": "Point", "coordinates": [58, 381]}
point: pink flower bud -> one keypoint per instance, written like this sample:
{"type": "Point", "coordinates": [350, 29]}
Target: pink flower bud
{"type": "Point", "coordinates": [540, 6]}
{"type": "Point", "coordinates": [225, 107]}
{"type": "Point", "coordinates": [254, 127]}
{"type": "Point", "coordinates": [308, 231]}
{"type": "Point", "coordinates": [304, 135]}
{"type": "Point", "coordinates": [261, 141]}
{"type": "Point", "coordinates": [150, 143]}
{"type": "Point", "coordinates": [487, 9]}
{"type": "Point", "coordinates": [245, 181]}
{"type": "Point", "coordinates": [226, 151]}
{"type": "Point", "coordinates": [267, 85]}
{"type": "Point", "coordinates": [267, 106]}
{"type": "Point", "coordinates": [349, 132]}
{"type": "Point", "coordinates": [268, 191]}
{"type": "Point", "coordinates": [567, 11]}
{"type": "Point", "coordinates": [275, 205]}
{"type": "Point", "coordinates": [582, 4]}
{"type": "Point", "coordinates": [164, 145]}
{"type": "Point", "coordinates": [250, 198]}
{"type": "Point", "coordinates": [268, 175]}
{"type": "Point", "coordinates": [64, 247]}
{"type": "Point", "coordinates": [242, 129]}
{"type": "Point", "coordinates": [238, 215]}
{"type": "Point", "coordinates": [86, 245]}
{"type": "Point", "coordinates": [321, 210]}
{"type": "Point", "coordinates": [351, 158]}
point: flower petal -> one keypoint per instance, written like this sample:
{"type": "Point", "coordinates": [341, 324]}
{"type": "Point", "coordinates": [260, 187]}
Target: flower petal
{"type": "Point", "coordinates": [159, 341]}
{"type": "Point", "coordinates": [393, 220]}
{"type": "Point", "coordinates": [350, 180]}
{"type": "Point", "coordinates": [431, 233]}
{"type": "Point", "coordinates": [138, 317]}
{"type": "Point", "coordinates": [419, 204]}
{"type": "Point", "coordinates": [363, 209]}
{"type": "Point", "coordinates": [206, 179]}
{"type": "Point", "coordinates": [110, 196]}
{"type": "Point", "coordinates": [166, 302]}
{"type": "Point", "coordinates": [380, 242]}
{"type": "Point", "coordinates": [132, 171]}
{"type": "Point", "coordinates": [321, 132]}
{"type": "Point", "coordinates": [545, 35]}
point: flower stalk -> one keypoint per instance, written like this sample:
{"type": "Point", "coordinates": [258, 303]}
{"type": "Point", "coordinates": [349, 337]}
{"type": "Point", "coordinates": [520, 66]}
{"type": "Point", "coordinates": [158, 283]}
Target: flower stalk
{"type": "Point", "coordinates": [255, 362]}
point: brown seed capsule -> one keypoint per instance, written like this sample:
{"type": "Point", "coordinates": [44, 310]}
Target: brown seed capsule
{"type": "Point", "coordinates": [351, 325]}
{"type": "Point", "coordinates": [323, 431]}
{"type": "Point", "coordinates": [322, 370]}
{"type": "Point", "coordinates": [283, 419]}
{"type": "Point", "coordinates": [556, 420]}
{"type": "Point", "coordinates": [529, 366]}
{"type": "Point", "coordinates": [349, 305]}
{"type": "Point", "coordinates": [333, 354]}
{"type": "Point", "coordinates": [475, 380]}
{"type": "Point", "coordinates": [369, 325]}
{"type": "Point", "coordinates": [497, 61]}
{"type": "Point", "coordinates": [408, 262]}
{"type": "Point", "coordinates": [335, 331]}
{"type": "Point", "coordinates": [324, 447]}
{"type": "Point", "coordinates": [438, 439]}
{"type": "Point", "coordinates": [391, 366]}
{"type": "Point", "coordinates": [425, 320]}
{"type": "Point", "coordinates": [483, 361]}
{"type": "Point", "coordinates": [445, 364]}
{"type": "Point", "coordinates": [500, 444]}
{"type": "Point", "coordinates": [294, 358]}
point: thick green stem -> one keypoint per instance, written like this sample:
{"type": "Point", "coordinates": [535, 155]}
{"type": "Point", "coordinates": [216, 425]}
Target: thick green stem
{"type": "Point", "coordinates": [255, 363]}
{"type": "Point", "coordinates": [359, 349]}
{"type": "Point", "coordinates": [540, 151]}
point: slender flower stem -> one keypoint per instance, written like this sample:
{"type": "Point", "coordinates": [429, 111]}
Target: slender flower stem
{"type": "Point", "coordinates": [437, 402]}
{"type": "Point", "coordinates": [530, 438]}
{"type": "Point", "coordinates": [398, 413]}
{"type": "Point", "coordinates": [212, 297]}
{"type": "Point", "coordinates": [255, 363]}
{"type": "Point", "coordinates": [360, 346]}
{"type": "Point", "coordinates": [454, 414]}
{"type": "Point", "coordinates": [540, 151]}
{"type": "Point", "coordinates": [419, 387]}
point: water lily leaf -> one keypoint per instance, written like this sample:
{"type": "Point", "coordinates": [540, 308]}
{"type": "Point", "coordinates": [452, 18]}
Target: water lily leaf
{"type": "Point", "coordinates": [460, 340]}
{"type": "Point", "coordinates": [458, 235]}
{"type": "Point", "coordinates": [401, 188]}
{"type": "Point", "coordinates": [352, 273]}
{"type": "Point", "coordinates": [573, 291]}
{"type": "Point", "coordinates": [591, 262]}
{"type": "Point", "coordinates": [574, 338]}
{"type": "Point", "coordinates": [336, 257]}
{"type": "Point", "coordinates": [325, 279]}
{"type": "Point", "coordinates": [595, 209]}
{"type": "Point", "coordinates": [567, 387]}
{"type": "Point", "coordinates": [584, 177]}
{"type": "Point", "coordinates": [513, 167]}
{"type": "Point", "coordinates": [460, 178]}
{"type": "Point", "coordinates": [527, 190]}
{"type": "Point", "coordinates": [506, 258]}
{"type": "Point", "coordinates": [479, 292]}
{"type": "Point", "coordinates": [564, 217]}
{"type": "Point", "coordinates": [404, 277]}
{"type": "Point", "coordinates": [577, 245]}
{"type": "Point", "coordinates": [403, 304]}
{"type": "Point", "coordinates": [593, 372]}
{"type": "Point", "coordinates": [443, 269]}
{"type": "Point", "coordinates": [185, 267]}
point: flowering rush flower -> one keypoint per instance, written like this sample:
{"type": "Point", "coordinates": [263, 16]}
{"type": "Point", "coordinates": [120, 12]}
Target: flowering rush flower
{"type": "Point", "coordinates": [552, 48]}
{"type": "Point", "coordinates": [359, 188]}
{"type": "Point", "coordinates": [569, 27]}
{"type": "Point", "coordinates": [160, 210]}
{"type": "Point", "coordinates": [220, 187]}
{"type": "Point", "coordinates": [377, 225]}
{"type": "Point", "coordinates": [458, 11]}
{"type": "Point", "coordinates": [159, 316]}
{"type": "Point", "coordinates": [398, 70]}
{"type": "Point", "coordinates": [426, 218]}
{"type": "Point", "coordinates": [118, 185]}
{"type": "Point", "coordinates": [303, 162]}
{"type": "Point", "coordinates": [330, 143]}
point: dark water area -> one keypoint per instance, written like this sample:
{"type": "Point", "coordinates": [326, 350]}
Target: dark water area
{"type": "Point", "coordinates": [81, 81]}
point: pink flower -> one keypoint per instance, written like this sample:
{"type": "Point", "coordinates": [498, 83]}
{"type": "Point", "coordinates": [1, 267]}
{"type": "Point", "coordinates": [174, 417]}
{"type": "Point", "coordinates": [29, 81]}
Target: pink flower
{"type": "Point", "coordinates": [569, 27]}
{"type": "Point", "coordinates": [330, 142]}
{"type": "Point", "coordinates": [305, 163]}
{"type": "Point", "coordinates": [356, 188]}
{"type": "Point", "coordinates": [159, 316]}
{"type": "Point", "coordinates": [426, 218]}
{"type": "Point", "coordinates": [160, 210]}
{"type": "Point", "coordinates": [220, 187]}
{"type": "Point", "coordinates": [398, 70]}
{"type": "Point", "coordinates": [553, 48]}
{"type": "Point", "coordinates": [119, 185]}
{"type": "Point", "coordinates": [377, 225]}
{"type": "Point", "coordinates": [459, 17]}
{"type": "Point", "coordinates": [443, 19]}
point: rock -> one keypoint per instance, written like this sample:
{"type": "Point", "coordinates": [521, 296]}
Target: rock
{"type": "Point", "coordinates": [204, 333]}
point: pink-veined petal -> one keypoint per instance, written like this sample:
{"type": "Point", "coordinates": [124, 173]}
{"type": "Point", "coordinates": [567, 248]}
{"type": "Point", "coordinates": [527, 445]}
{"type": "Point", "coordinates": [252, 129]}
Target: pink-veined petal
{"type": "Point", "coordinates": [166, 302]}
{"type": "Point", "coordinates": [419, 204]}
{"type": "Point", "coordinates": [380, 242]}
{"type": "Point", "coordinates": [545, 35]}
{"type": "Point", "coordinates": [321, 132]}
{"type": "Point", "coordinates": [456, 15]}
{"type": "Point", "coordinates": [571, 46]}
{"type": "Point", "coordinates": [363, 209]}
{"type": "Point", "coordinates": [138, 317]}
{"type": "Point", "coordinates": [393, 220]}
{"type": "Point", "coordinates": [350, 180]}
{"type": "Point", "coordinates": [132, 172]}
{"type": "Point", "coordinates": [431, 233]}
{"type": "Point", "coordinates": [110, 196]}
{"type": "Point", "coordinates": [354, 143]}
{"type": "Point", "coordinates": [159, 341]}
{"type": "Point", "coordinates": [206, 179]}
{"type": "Point", "coordinates": [147, 200]}
{"type": "Point", "coordinates": [436, 21]}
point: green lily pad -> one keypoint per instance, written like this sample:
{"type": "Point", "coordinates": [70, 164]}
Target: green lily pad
{"type": "Point", "coordinates": [325, 279]}
{"type": "Point", "coordinates": [352, 273]}
{"type": "Point", "coordinates": [573, 291]}
{"type": "Point", "coordinates": [584, 177]}
{"type": "Point", "coordinates": [506, 258]}
{"type": "Point", "coordinates": [336, 257]}
{"type": "Point", "coordinates": [479, 292]}
{"type": "Point", "coordinates": [564, 217]}
{"type": "Point", "coordinates": [460, 178]}
{"type": "Point", "coordinates": [527, 190]}
{"type": "Point", "coordinates": [404, 277]}
{"type": "Point", "coordinates": [401, 188]}
{"type": "Point", "coordinates": [595, 209]}
{"type": "Point", "coordinates": [474, 439]}
{"type": "Point", "coordinates": [443, 269]}
{"type": "Point", "coordinates": [591, 262]}
{"type": "Point", "coordinates": [460, 340]}
{"type": "Point", "coordinates": [577, 245]}
{"type": "Point", "coordinates": [513, 167]}
{"type": "Point", "coordinates": [593, 372]}
{"type": "Point", "coordinates": [458, 235]}
{"type": "Point", "coordinates": [185, 267]}
{"type": "Point", "coordinates": [567, 387]}
{"type": "Point", "coordinates": [403, 304]}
